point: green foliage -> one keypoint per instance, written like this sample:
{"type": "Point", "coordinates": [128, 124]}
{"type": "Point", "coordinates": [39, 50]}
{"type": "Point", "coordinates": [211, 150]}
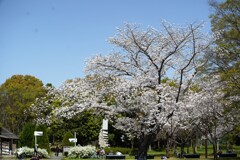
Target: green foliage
{"type": "Point", "coordinates": [65, 141]}
{"type": "Point", "coordinates": [117, 137]}
{"type": "Point", "coordinates": [171, 83]}
{"type": "Point", "coordinates": [43, 141]}
{"type": "Point", "coordinates": [226, 25]}
{"type": "Point", "coordinates": [195, 88]}
{"type": "Point", "coordinates": [226, 22]}
{"type": "Point", "coordinates": [26, 137]}
{"type": "Point", "coordinates": [226, 55]}
{"type": "Point", "coordinates": [86, 125]}
{"type": "Point", "coordinates": [16, 96]}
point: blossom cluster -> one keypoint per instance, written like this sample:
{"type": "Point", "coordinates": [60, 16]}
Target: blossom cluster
{"type": "Point", "coordinates": [134, 89]}
{"type": "Point", "coordinates": [29, 152]}
{"type": "Point", "coordinates": [82, 152]}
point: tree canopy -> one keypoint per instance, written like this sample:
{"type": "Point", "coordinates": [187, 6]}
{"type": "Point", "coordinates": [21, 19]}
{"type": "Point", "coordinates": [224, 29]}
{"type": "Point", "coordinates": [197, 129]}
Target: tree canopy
{"type": "Point", "coordinates": [127, 87]}
{"type": "Point", "coordinates": [225, 57]}
{"type": "Point", "coordinates": [17, 95]}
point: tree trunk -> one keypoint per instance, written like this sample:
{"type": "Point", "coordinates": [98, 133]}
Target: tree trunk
{"type": "Point", "coordinates": [182, 150]}
{"type": "Point", "coordinates": [196, 144]}
{"type": "Point", "coordinates": [144, 143]}
{"type": "Point", "coordinates": [227, 146]}
{"type": "Point", "coordinates": [194, 149]}
{"type": "Point", "coordinates": [206, 148]}
{"type": "Point", "coordinates": [167, 148]}
{"type": "Point", "coordinates": [215, 150]}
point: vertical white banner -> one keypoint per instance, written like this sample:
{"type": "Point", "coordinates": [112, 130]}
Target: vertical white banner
{"type": "Point", "coordinates": [105, 124]}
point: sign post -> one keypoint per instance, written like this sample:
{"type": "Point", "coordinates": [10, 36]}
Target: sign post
{"type": "Point", "coordinates": [73, 139]}
{"type": "Point", "coordinates": [37, 133]}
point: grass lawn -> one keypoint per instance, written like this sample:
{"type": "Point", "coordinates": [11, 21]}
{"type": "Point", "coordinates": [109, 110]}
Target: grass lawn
{"type": "Point", "coordinates": [132, 158]}
{"type": "Point", "coordinates": [158, 154]}
{"type": "Point", "coordinates": [171, 158]}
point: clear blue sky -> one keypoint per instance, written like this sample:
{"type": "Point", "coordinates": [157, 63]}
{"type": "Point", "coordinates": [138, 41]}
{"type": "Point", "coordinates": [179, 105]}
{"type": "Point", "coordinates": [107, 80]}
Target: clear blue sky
{"type": "Point", "coordinates": [51, 39]}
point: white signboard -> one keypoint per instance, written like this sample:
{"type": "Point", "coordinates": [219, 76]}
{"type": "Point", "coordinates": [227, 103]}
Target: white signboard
{"type": "Point", "coordinates": [105, 124]}
{"type": "Point", "coordinates": [73, 140]}
{"type": "Point", "coordinates": [66, 148]}
{"type": "Point", "coordinates": [38, 133]}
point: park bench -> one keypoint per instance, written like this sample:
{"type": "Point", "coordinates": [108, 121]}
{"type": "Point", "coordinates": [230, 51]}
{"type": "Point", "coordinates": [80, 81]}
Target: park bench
{"type": "Point", "coordinates": [192, 155]}
{"type": "Point", "coordinates": [115, 157]}
{"type": "Point", "coordinates": [227, 155]}
{"type": "Point", "coordinates": [148, 157]}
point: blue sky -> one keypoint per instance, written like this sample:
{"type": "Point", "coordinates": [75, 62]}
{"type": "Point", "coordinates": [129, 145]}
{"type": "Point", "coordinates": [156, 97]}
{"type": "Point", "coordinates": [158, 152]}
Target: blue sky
{"type": "Point", "coordinates": [51, 39]}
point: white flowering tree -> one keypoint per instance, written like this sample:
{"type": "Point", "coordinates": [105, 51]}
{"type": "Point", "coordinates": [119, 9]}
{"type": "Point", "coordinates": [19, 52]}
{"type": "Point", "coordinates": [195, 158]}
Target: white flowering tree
{"type": "Point", "coordinates": [180, 129]}
{"type": "Point", "coordinates": [128, 86]}
{"type": "Point", "coordinates": [65, 108]}
{"type": "Point", "coordinates": [72, 97]}
{"type": "Point", "coordinates": [210, 111]}
{"type": "Point", "coordinates": [143, 104]}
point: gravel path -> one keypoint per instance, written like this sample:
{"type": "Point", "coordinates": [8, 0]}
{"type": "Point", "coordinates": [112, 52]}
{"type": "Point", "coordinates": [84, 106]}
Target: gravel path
{"type": "Point", "coordinates": [59, 157]}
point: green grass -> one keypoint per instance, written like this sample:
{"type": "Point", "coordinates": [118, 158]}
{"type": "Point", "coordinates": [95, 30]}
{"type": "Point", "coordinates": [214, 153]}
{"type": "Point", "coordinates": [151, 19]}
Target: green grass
{"type": "Point", "coordinates": [200, 150]}
{"type": "Point", "coordinates": [171, 158]}
{"type": "Point", "coordinates": [158, 154]}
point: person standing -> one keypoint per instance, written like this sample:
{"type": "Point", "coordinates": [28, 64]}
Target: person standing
{"type": "Point", "coordinates": [35, 150]}
{"type": "Point", "coordinates": [57, 150]}
{"type": "Point", "coordinates": [102, 153]}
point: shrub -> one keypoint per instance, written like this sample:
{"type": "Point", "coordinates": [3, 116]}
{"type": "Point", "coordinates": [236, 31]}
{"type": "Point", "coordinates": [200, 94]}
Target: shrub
{"type": "Point", "coordinates": [29, 152]}
{"type": "Point", "coordinates": [65, 141]}
{"type": "Point", "coordinates": [82, 152]}
{"type": "Point", "coordinates": [26, 137]}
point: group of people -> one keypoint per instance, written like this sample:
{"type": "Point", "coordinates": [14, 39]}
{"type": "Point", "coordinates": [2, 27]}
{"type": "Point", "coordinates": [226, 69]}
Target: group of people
{"type": "Point", "coordinates": [100, 152]}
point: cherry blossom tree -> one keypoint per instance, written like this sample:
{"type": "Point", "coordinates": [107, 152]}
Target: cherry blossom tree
{"type": "Point", "coordinates": [209, 111]}
{"type": "Point", "coordinates": [143, 104]}
{"type": "Point", "coordinates": [72, 97]}
{"type": "Point", "coordinates": [64, 108]}
{"type": "Point", "coordinates": [180, 129]}
{"type": "Point", "coordinates": [127, 85]}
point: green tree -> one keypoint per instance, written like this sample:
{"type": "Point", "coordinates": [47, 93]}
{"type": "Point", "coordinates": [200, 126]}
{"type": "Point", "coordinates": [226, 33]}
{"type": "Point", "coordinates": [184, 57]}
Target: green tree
{"type": "Point", "coordinates": [26, 137]}
{"type": "Point", "coordinates": [86, 125]}
{"type": "Point", "coordinates": [225, 58]}
{"type": "Point", "coordinates": [226, 55]}
{"type": "Point", "coordinates": [226, 25]}
{"type": "Point", "coordinates": [16, 96]}
{"type": "Point", "coordinates": [65, 141]}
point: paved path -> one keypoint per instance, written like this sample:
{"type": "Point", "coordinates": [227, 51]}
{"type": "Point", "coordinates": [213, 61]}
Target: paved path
{"type": "Point", "coordinates": [59, 157]}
